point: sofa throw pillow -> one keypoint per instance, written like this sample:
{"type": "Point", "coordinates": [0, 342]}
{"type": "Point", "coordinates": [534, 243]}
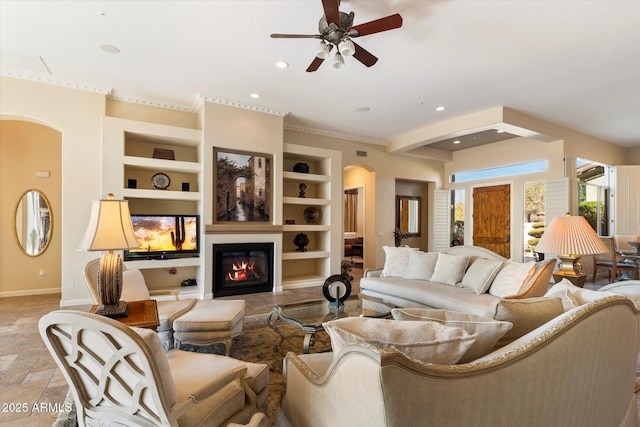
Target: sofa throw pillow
{"type": "Point", "coordinates": [526, 315]}
{"type": "Point", "coordinates": [479, 276]}
{"type": "Point", "coordinates": [449, 269]}
{"type": "Point", "coordinates": [511, 278]}
{"type": "Point", "coordinates": [134, 288]}
{"type": "Point", "coordinates": [428, 342]}
{"type": "Point", "coordinates": [573, 296]}
{"type": "Point", "coordinates": [396, 261]}
{"type": "Point", "coordinates": [489, 330]}
{"type": "Point", "coordinates": [154, 343]}
{"type": "Point", "coordinates": [421, 265]}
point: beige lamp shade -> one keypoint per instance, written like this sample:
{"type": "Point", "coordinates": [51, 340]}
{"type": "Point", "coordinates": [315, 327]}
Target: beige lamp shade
{"type": "Point", "coordinates": [570, 235]}
{"type": "Point", "coordinates": [109, 227]}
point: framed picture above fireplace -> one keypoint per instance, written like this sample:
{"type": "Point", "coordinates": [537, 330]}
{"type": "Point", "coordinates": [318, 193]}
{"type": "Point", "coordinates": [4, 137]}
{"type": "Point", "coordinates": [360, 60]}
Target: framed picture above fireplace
{"type": "Point", "coordinates": [242, 183]}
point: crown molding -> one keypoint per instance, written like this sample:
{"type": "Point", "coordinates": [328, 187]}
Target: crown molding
{"type": "Point", "coordinates": [336, 135]}
{"type": "Point", "coordinates": [50, 81]}
{"type": "Point", "coordinates": [236, 104]}
{"type": "Point", "coordinates": [151, 103]}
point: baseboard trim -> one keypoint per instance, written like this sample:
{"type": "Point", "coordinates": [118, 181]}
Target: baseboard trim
{"type": "Point", "coordinates": [29, 292]}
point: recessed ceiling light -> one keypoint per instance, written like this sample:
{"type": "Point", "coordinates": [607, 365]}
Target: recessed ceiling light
{"type": "Point", "coordinates": [255, 95]}
{"type": "Point", "coordinates": [457, 141]}
{"type": "Point", "coordinates": [109, 48]}
{"type": "Point", "coordinates": [499, 131]}
{"type": "Point", "coordinates": [440, 108]}
{"type": "Point", "coordinates": [281, 64]}
{"type": "Point", "coordinates": [363, 109]}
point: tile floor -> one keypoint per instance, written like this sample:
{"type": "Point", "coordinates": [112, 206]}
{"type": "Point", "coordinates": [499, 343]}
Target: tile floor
{"type": "Point", "coordinates": [32, 389]}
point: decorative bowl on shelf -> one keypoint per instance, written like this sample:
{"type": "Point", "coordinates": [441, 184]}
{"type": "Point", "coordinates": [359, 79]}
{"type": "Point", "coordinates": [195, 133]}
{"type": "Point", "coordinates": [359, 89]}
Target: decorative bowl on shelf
{"type": "Point", "coordinates": [311, 215]}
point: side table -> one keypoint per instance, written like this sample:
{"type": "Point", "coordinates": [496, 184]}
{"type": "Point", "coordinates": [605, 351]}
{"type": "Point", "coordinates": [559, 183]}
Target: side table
{"type": "Point", "coordinates": [142, 314]}
{"type": "Point", "coordinates": [575, 279]}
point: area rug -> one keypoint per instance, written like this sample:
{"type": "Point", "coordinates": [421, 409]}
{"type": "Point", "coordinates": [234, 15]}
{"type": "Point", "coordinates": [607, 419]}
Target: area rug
{"type": "Point", "coordinates": [256, 344]}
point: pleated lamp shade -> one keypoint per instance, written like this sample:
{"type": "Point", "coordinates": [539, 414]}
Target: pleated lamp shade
{"type": "Point", "coordinates": [110, 229]}
{"type": "Point", "coordinates": [569, 237]}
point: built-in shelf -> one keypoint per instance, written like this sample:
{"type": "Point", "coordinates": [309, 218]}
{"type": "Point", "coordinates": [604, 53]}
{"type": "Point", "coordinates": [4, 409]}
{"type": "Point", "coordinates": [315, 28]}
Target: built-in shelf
{"type": "Point", "coordinates": [322, 189]}
{"type": "Point", "coordinates": [130, 159]}
{"type": "Point", "coordinates": [305, 255]}
{"type": "Point", "coordinates": [305, 201]}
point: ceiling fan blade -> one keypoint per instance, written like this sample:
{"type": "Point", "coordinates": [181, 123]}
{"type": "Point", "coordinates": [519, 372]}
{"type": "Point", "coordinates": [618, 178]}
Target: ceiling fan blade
{"type": "Point", "coordinates": [383, 24]}
{"type": "Point", "coordinates": [364, 56]}
{"type": "Point", "coordinates": [296, 36]}
{"type": "Point", "coordinates": [331, 11]}
{"type": "Point", "coordinates": [316, 63]}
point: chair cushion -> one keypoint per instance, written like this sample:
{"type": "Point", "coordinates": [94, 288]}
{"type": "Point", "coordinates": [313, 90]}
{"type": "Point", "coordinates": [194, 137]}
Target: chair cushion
{"type": "Point", "coordinates": [211, 315]}
{"type": "Point", "coordinates": [169, 311]}
{"type": "Point", "coordinates": [449, 269]}
{"type": "Point", "coordinates": [429, 342]}
{"type": "Point", "coordinates": [134, 288]}
{"type": "Point", "coordinates": [489, 330]}
{"type": "Point", "coordinates": [157, 349]}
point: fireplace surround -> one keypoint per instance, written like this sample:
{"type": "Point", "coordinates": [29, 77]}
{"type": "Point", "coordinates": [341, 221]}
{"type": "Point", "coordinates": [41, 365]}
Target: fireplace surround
{"type": "Point", "coordinates": [242, 268]}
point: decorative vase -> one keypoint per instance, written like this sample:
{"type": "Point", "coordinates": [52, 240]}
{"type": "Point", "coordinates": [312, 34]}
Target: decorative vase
{"type": "Point", "coordinates": [301, 241]}
{"type": "Point", "coordinates": [301, 168]}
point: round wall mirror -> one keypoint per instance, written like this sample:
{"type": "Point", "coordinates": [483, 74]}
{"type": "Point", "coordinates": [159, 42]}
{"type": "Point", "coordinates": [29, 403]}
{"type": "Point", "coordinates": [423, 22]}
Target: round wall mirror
{"type": "Point", "coordinates": [33, 223]}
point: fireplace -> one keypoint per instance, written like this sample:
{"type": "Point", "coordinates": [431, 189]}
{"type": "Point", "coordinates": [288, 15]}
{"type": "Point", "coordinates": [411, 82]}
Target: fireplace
{"type": "Point", "coordinates": [242, 268]}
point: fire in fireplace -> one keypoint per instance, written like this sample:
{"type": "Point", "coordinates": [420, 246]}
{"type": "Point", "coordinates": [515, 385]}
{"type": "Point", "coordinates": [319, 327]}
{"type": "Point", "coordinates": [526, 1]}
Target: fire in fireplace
{"type": "Point", "coordinates": [242, 268]}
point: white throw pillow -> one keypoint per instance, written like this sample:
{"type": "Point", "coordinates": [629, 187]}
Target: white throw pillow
{"type": "Point", "coordinates": [134, 288]}
{"type": "Point", "coordinates": [573, 296]}
{"type": "Point", "coordinates": [480, 275]}
{"type": "Point", "coordinates": [449, 269]}
{"type": "Point", "coordinates": [489, 330]}
{"type": "Point", "coordinates": [511, 278]}
{"type": "Point", "coordinates": [429, 342]}
{"type": "Point", "coordinates": [396, 261]}
{"type": "Point", "coordinates": [421, 265]}
{"type": "Point", "coordinates": [157, 349]}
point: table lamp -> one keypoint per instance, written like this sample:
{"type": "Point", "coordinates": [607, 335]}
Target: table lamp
{"type": "Point", "coordinates": [570, 237]}
{"type": "Point", "coordinates": [110, 229]}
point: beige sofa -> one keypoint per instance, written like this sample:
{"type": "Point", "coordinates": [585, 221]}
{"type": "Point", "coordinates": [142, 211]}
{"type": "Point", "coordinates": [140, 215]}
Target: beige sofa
{"type": "Point", "coordinates": [411, 292]}
{"type": "Point", "coordinates": [576, 370]}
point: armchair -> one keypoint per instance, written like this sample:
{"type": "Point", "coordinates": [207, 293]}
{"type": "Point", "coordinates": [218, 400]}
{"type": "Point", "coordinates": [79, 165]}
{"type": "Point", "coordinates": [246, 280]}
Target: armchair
{"type": "Point", "coordinates": [121, 375]}
{"type": "Point", "coordinates": [135, 289]}
{"type": "Point", "coordinates": [611, 261]}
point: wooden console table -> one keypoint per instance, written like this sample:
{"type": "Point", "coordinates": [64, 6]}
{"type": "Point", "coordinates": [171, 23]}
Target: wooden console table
{"type": "Point", "coordinates": [142, 314]}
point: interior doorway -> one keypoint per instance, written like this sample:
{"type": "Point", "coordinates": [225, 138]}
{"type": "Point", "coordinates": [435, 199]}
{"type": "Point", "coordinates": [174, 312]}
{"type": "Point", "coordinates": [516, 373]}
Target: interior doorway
{"type": "Point", "coordinates": [492, 218]}
{"type": "Point", "coordinates": [359, 225]}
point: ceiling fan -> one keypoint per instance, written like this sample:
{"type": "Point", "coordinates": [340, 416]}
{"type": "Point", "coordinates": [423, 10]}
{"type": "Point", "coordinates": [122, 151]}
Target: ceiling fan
{"type": "Point", "coordinates": [336, 29]}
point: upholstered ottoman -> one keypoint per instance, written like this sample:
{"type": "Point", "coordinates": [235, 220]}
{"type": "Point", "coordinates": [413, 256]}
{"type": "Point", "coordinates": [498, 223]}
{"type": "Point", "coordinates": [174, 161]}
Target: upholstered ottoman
{"type": "Point", "coordinates": [210, 322]}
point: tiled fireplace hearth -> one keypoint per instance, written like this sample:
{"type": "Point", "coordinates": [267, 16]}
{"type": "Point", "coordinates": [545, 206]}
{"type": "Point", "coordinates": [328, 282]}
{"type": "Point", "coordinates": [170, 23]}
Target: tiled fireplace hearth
{"type": "Point", "coordinates": [242, 268]}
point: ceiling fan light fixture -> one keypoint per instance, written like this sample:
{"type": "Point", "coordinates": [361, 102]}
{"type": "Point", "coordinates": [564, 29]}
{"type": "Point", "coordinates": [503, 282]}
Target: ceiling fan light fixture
{"type": "Point", "coordinates": [338, 61]}
{"type": "Point", "coordinates": [347, 48]}
{"type": "Point", "coordinates": [323, 51]}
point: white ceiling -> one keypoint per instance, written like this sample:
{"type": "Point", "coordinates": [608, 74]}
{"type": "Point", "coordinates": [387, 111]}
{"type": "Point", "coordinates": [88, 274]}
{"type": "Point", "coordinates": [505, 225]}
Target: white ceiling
{"type": "Point", "coordinates": [574, 63]}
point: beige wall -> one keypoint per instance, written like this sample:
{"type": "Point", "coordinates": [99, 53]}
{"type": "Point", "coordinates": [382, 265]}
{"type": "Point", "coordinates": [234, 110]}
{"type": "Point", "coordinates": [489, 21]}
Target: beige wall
{"type": "Point", "coordinates": [25, 148]}
{"type": "Point", "coordinates": [76, 115]}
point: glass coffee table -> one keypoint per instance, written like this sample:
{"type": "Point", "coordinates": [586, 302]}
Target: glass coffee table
{"type": "Point", "coordinates": [309, 315]}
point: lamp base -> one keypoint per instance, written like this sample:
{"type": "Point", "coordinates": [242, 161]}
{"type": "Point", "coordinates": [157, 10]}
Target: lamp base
{"type": "Point", "coordinates": [119, 309]}
{"type": "Point", "coordinates": [569, 264]}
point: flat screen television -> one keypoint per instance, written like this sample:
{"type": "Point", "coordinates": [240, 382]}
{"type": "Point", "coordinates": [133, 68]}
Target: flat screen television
{"type": "Point", "coordinates": [165, 237]}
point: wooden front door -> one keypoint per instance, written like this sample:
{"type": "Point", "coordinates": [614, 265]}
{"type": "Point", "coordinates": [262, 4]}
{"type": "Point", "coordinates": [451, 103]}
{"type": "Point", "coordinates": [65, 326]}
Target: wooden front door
{"type": "Point", "coordinates": [492, 218]}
